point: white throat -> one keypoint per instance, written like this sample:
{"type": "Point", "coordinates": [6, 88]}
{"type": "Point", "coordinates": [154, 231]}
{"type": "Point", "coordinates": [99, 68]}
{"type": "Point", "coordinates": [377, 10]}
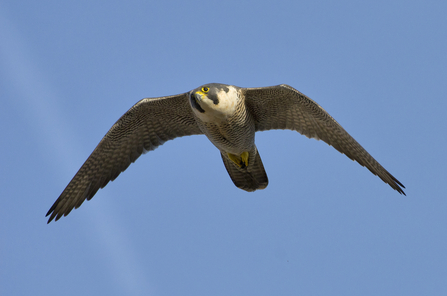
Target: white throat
{"type": "Point", "coordinates": [223, 110]}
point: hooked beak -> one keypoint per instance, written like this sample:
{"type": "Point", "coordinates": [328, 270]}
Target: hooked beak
{"type": "Point", "coordinates": [197, 96]}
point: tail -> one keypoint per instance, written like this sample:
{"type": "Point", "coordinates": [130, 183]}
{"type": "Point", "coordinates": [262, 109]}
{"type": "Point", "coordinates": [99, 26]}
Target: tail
{"type": "Point", "coordinates": [250, 178]}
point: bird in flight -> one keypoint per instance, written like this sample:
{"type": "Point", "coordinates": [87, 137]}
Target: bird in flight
{"type": "Point", "coordinates": [229, 116]}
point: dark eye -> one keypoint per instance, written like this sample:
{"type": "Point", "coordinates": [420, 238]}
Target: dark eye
{"type": "Point", "coordinates": [205, 89]}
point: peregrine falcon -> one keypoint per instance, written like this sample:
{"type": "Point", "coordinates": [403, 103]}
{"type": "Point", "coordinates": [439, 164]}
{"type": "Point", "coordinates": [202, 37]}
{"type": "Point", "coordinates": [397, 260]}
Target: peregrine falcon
{"type": "Point", "coordinates": [229, 116]}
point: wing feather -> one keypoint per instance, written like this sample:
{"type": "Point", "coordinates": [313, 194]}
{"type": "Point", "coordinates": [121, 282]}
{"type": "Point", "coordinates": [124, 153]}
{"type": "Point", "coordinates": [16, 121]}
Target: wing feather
{"type": "Point", "coordinates": [283, 107]}
{"type": "Point", "coordinates": [147, 125]}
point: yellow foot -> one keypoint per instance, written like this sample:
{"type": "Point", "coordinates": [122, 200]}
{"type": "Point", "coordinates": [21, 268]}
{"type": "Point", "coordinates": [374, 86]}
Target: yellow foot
{"type": "Point", "coordinates": [240, 161]}
{"type": "Point", "coordinates": [245, 157]}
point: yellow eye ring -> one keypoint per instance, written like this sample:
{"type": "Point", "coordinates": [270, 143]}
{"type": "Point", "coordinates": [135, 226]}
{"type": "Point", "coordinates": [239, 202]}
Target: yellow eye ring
{"type": "Point", "coordinates": [205, 89]}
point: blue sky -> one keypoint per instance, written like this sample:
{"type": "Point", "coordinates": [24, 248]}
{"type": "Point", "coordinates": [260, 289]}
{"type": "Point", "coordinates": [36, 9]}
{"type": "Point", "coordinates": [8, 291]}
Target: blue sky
{"type": "Point", "coordinates": [174, 223]}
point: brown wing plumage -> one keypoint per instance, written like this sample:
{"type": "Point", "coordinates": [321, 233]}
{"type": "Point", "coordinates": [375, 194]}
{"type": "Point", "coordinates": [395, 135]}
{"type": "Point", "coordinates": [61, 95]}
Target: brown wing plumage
{"type": "Point", "coordinates": [147, 125]}
{"type": "Point", "coordinates": [283, 107]}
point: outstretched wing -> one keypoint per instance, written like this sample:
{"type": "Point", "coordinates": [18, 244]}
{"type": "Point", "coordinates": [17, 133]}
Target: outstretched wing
{"type": "Point", "coordinates": [283, 107]}
{"type": "Point", "coordinates": [147, 125]}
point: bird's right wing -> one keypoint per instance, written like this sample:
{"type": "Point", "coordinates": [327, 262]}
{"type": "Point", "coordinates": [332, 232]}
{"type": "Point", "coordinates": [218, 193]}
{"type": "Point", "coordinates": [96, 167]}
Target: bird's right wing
{"type": "Point", "coordinates": [147, 125]}
{"type": "Point", "coordinates": [283, 107]}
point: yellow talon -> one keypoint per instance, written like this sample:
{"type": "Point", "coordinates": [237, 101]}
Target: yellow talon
{"type": "Point", "coordinates": [245, 157]}
{"type": "Point", "coordinates": [235, 159]}
{"type": "Point", "coordinates": [240, 161]}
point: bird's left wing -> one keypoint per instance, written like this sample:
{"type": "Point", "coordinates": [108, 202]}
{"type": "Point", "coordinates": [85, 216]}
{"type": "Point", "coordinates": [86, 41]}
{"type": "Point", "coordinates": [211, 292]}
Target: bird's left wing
{"type": "Point", "coordinates": [283, 107]}
{"type": "Point", "coordinates": [147, 125]}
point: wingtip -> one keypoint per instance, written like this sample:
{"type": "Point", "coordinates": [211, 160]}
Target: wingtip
{"type": "Point", "coordinates": [401, 191]}
{"type": "Point", "coordinates": [51, 212]}
{"type": "Point", "coordinates": [398, 187]}
{"type": "Point", "coordinates": [49, 219]}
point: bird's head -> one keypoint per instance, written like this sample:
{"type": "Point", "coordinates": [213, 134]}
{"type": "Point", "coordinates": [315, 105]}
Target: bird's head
{"type": "Point", "coordinates": [214, 101]}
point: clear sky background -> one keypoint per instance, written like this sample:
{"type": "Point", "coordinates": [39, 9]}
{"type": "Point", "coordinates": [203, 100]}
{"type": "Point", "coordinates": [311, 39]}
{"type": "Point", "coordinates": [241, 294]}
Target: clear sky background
{"type": "Point", "coordinates": [174, 223]}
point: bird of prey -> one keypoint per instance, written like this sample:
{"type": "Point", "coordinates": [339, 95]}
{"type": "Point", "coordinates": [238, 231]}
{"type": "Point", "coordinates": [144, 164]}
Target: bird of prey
{"type": "Point", "coordinates": [229, 116]}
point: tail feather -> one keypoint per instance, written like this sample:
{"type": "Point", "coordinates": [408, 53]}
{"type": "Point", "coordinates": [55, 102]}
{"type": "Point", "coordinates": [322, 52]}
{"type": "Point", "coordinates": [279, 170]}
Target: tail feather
{"type": "Point", "coordinates": [250, 178]}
